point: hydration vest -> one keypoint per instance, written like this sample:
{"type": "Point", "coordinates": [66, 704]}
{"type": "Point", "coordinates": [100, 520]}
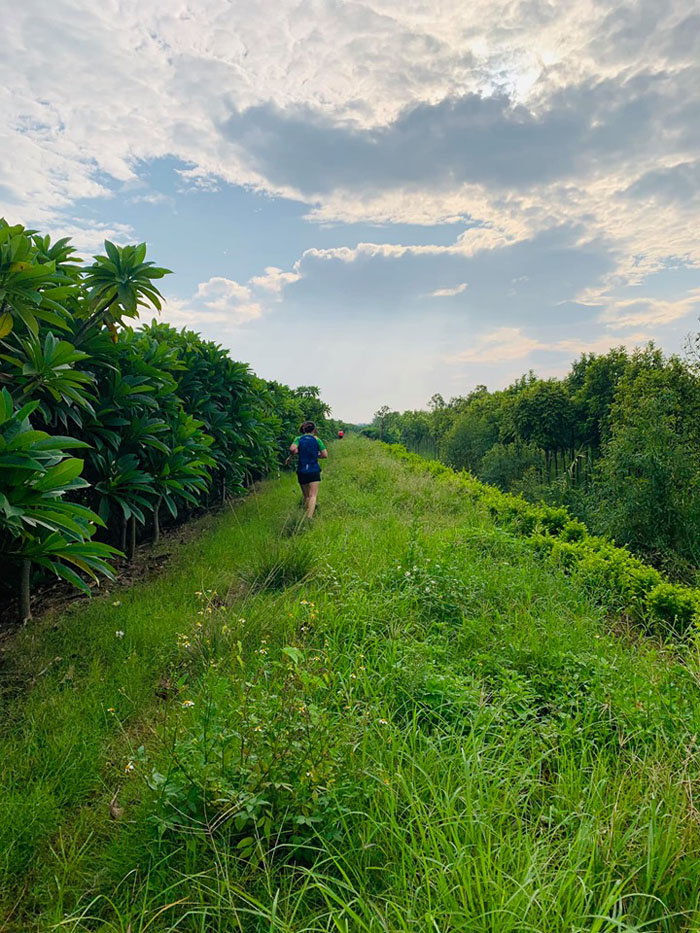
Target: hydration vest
{"type": "Point", "coordinates": [308, 454]}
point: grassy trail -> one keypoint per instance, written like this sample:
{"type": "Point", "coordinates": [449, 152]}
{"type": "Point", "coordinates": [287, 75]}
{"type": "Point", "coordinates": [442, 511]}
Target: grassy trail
{"type": "Point", "coordinates": [395, 719]}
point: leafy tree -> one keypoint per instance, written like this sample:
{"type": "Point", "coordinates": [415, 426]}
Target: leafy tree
{"type": "Point", "coordinates": [37, 524]}
{"type": "Point", "coordinates": [162, 417]}
{"type": "Point", "coordinates": [648, 480]}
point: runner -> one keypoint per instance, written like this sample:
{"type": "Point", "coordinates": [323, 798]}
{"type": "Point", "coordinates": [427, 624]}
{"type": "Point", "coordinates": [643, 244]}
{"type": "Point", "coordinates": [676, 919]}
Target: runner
{"type": "Point", "coordinates": [310, 449]}
{"type": "Point", "coordinates": [340, 435]}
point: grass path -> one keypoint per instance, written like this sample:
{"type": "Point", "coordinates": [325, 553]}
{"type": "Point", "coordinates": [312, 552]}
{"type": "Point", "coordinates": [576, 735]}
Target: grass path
{"type": "Point", "coordinates": [395, 719]}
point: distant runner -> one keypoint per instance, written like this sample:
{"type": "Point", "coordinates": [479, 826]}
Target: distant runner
{"type": "Point", "coordinates": [340, 435]}
{"type": "Point", "coordinates": [310, 449]}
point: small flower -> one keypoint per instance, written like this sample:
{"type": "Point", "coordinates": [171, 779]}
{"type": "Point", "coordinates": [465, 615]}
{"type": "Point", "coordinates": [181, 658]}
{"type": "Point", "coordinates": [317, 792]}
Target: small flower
{"type": "Point", "coordinates": [257, 729]}
{"type": "Point", "coordinates": [130, 766]}
{"type": "Point", "coordinates": [111, 709]}
{"type": "Point", "coordinates": [119, 633]}
{"type": "Point", "coordinates": [197, 592]}
{"type": "Point", "coordinates": [187, 704]}
{"type": "Point", "coordinates": [407, 574]}
{"type": "Point", "coordinates": [302, 708]}
{"type": "Point", "coordinates": [117, 602]}
{"type": "Point", "coordinates": [383, 722]}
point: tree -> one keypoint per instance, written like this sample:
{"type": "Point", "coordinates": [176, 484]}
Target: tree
{"type": "Point", "coordinates": [161, 417]}
{"type": "Point", "coordinates": [648, 480]}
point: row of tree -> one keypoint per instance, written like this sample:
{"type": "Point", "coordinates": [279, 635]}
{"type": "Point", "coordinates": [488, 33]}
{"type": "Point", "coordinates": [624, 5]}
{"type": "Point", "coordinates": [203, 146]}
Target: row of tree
{"type": "Point", "coordinates": [104, 429]}
{"type": "Point", "coordinates": [617, 440]}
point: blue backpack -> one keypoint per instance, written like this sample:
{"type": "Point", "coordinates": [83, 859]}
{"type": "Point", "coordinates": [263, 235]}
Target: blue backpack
{"type": "Point", "coordinates": [308, 454]}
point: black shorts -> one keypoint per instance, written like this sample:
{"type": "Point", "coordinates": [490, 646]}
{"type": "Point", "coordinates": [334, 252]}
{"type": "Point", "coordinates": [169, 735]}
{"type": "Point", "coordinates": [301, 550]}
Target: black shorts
{"type": "Point", "coordinates": [305, 478]}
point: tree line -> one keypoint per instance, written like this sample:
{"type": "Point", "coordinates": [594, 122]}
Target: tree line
{"type": "Point", "coordinates": [617, 441]}
{"type": "Point", "coordinates": [107, 429]}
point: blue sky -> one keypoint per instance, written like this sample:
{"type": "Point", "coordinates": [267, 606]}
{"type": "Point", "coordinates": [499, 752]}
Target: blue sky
{"type": "Point", "coordinates": [388, 199]}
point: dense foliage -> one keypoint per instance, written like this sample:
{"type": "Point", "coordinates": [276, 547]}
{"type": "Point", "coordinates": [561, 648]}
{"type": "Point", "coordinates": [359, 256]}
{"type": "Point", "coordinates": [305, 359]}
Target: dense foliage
{"type": "Point", "coordinates": [617, 441]}
{"type": "Point", "coordinates": [620, 582]}
{"type": "Point", "coordinates": [163, 420]}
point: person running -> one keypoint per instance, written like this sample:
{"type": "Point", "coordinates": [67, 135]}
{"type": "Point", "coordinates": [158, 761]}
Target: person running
{"type": "Point", "coordinates": [340, 435]}
{"type": "Point", "coordinates": [310, 450]}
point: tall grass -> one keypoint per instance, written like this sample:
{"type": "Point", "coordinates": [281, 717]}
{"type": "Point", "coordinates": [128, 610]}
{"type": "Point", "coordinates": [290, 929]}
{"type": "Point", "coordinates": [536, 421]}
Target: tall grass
{"type": "Point", "coordinates": [397, 720]}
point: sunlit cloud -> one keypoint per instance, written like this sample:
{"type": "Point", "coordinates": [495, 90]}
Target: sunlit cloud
{"type": "Point", "coordinates": [547, 155]}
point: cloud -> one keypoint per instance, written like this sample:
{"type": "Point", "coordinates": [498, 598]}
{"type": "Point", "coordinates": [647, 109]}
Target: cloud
{"type": "Point", "coordinates": [510, 343]}
{"type": "Point", "coordinates": [504, 343]}
{"type": "Point", "coordinates": [226, 295]}
{"type": "Point", "coordinates": [220, 292]}
{"type": "Point", "coordinates": [631, 312]}
{"type": "Point", "coordinates": [678, 183]}
{"type": "Point", "coordinates": [274, 280]}
{"type": "Point", "coordinates": [227, 302]}
{"type": "Point", "coordinates": [448, 292]}
{"type": "Point", "coordinates": [561, 137]}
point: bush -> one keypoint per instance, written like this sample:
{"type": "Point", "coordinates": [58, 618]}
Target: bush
{"type": "Point", "coordinates": [617, 579]}
{"type": "Point", "coordinates": [675, 605]}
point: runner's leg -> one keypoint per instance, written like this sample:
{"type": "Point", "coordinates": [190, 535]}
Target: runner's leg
{"type": "Point", "coordinates": [310, 497]}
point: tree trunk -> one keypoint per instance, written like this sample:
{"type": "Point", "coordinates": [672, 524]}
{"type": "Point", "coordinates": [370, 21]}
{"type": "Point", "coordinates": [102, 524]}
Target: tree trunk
{"type": "Point", "coordinates": [156, 520]}
{"type": "Point", "coordinates": [122, 535]}
{"type": "Point", "coordinates": [25, 605]}
{"type": "Point", "coordinates": [131, 546]}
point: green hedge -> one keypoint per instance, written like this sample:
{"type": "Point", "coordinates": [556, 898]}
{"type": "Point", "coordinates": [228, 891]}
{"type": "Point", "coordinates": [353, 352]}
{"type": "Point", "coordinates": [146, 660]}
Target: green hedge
{"type": "Point", "coordinates": [616, 578]}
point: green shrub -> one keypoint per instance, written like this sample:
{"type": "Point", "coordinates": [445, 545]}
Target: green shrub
{"type": "Point", "coordinates": [553, 520]}
{"type": "Point", "coordinates": [677, 606]}
{"type": "Point", "coordinates": [618, 580]}
{"type": "Point", "coordinates": [573, 530]}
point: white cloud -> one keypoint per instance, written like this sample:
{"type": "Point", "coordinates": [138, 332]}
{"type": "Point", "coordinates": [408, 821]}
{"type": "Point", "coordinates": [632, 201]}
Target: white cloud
{"type": "Point", "coordinates": [505, 343]}
{"type": "Point", "coordinates": [225, 301]}
{"type": "Point", "coordinates": [274, 280]}
{"type": "Point", "coordinates": [219, 292]}
{"type": "Point", "coordinates": [510, 343]}
{"type": "Point", "coordinates": [448, 292]}
{"type": "Point", "coordinates": [129, 82]}
{"type": "Point", "coordinates": [632, 312]}
{"type": "Point", "coordinates": [228, 296]}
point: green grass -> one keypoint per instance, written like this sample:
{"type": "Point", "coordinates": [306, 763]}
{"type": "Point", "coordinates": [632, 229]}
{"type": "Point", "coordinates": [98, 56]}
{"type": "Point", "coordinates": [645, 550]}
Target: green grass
{"type": "Point", "coordinates": [394, 719]}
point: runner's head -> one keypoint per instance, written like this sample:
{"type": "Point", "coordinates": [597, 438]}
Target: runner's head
{"type": "Point", "coordinates": [308, 427]}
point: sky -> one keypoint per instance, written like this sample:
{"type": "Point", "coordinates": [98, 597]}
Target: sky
{"type": "Point", "coordinates": [388, 198]}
